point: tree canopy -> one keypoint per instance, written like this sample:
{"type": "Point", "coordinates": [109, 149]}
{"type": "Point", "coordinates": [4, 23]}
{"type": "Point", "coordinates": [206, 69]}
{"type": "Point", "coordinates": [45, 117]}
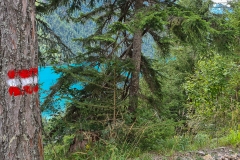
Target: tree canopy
{"type": "Point", "coordinates": [112, 81]}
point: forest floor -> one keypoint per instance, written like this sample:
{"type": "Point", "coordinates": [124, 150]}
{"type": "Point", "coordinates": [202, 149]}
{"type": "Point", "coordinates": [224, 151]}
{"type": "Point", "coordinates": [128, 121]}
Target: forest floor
{"type": "Point", "coordinates": [221, 153]}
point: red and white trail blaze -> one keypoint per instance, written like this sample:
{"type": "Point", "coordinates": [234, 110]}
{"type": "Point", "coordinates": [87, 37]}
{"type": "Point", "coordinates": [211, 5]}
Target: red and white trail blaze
{"type": "Point", "coordinates": [23, 81]}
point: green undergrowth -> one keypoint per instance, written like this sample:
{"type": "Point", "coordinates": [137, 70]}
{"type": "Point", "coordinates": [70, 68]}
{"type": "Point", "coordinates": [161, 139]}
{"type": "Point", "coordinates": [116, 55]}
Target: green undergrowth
{"type": "Point", "coordinates": [198, 142]}
{"type": "Point", "coordinates": [101, 150]}
{"type": "Point", "coordinates": [232, 139]}
{"type": "Point", "coordinates": [115, 150]}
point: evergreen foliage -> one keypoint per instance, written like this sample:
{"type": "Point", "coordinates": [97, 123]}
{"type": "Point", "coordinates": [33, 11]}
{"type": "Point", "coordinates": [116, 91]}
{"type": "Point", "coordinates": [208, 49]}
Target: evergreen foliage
{"type": "Point", "coordinates": [188, 40]}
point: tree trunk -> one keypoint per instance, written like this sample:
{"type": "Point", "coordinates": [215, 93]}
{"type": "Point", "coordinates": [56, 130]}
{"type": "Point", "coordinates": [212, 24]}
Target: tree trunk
{"type": "Point", "coordinates": [136, 58]}
{"type": "Point", "coordinates": [20, 116]}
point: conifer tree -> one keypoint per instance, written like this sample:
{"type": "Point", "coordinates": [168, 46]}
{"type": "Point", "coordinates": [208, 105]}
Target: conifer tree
{"type": "Point", "coordinates": [136, 58]}
{"type": "Point", "coordinates": [20, 116]}
{"type": "Point", "coordinates": [112, 59]}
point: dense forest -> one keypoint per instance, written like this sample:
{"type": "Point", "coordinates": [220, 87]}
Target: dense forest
{"type": "Point", "coordinates": [139, 77]}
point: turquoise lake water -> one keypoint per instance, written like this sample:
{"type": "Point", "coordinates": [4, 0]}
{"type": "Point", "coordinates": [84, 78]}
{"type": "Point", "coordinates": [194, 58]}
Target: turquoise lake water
{"type": "Point", "coordinates": [47, 78]}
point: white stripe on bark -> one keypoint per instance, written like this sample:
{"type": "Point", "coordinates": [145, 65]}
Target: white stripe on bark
{"type": "Point", "coordinates": [13, 82]}
{"type": "Point", "coordinates": [22, 81]}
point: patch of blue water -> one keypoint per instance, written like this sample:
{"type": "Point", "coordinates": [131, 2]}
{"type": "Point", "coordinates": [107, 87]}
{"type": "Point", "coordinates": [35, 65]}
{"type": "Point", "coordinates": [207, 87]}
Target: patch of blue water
{"type": "Point", "coordinates": [47, 78]}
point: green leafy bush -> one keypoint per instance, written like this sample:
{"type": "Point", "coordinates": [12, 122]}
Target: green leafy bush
{"type": "Point", "coordinates": [232, 138]}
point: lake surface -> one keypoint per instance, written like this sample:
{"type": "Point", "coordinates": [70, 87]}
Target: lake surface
{"type": "Point", "coordinates": [47, 78]}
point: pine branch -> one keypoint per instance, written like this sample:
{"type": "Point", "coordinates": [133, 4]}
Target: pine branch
{"type": "Point", "coordinates": [54, 39]}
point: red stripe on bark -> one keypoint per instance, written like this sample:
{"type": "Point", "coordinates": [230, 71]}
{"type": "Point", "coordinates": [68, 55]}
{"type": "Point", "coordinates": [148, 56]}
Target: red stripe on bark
{"type": "Point", "coordinates": [35, 88]}
{"type": "Point", "coordinates": [11, 74]}
{"type": "Point", "coordinates": [28, 89]}
{"type": "Point", "coordinates": [33, 71]}
{"type": "Point", "coordinates": [15, 91]}
{"type": "Point", "coordinates": [24, 73]}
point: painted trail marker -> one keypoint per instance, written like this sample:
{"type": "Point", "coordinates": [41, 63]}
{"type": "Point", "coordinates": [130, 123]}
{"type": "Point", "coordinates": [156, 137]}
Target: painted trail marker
{"type": "Point", "coordinates": [23, 81]}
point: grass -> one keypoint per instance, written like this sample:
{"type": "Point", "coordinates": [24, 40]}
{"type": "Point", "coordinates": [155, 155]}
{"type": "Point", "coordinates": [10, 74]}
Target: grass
{"type": "Point", "coordinates": [113, 150]}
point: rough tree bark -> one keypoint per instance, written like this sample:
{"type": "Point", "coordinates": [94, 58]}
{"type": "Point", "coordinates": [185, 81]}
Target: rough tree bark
{"type": "Point", "coordinates": [20, 116]}
{"type": "Point", "coordinates": [136, 58]}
